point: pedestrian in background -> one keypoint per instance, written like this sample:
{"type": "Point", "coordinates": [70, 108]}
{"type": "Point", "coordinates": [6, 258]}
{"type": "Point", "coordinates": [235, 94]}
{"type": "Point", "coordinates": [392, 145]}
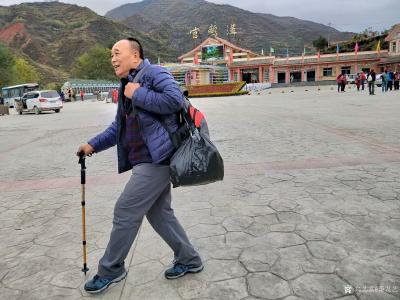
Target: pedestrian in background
{"type": "Point", "coordinates": [115, 96]}
{"type": "Point", "coordinates": [363, 79]}
{"type": "Point", "coordinates": [339, 82]}
{"type": "Point", "coordinates": [343, 83]}
{"type": "Point", "coordinates": [396, 80]}
{"type": "Point", "coordinates": [98, 95]}
{"type": "Point", "coordinates": [371, 82]}
{"type": "Point", "coordinates": [357, 81]}
{"type": "Point", "coordinates": [82, 94]}
{"type": "Point", "coordinates": [390, 80]}
{"type": "Point", "coordinates": [69, 94]}
{"type": "Point", "coordinates": [384, 78]}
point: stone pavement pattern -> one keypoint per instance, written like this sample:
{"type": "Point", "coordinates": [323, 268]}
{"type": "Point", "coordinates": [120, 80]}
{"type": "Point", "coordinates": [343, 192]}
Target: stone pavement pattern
{"type": "Point", "coordinates": [309, 208]}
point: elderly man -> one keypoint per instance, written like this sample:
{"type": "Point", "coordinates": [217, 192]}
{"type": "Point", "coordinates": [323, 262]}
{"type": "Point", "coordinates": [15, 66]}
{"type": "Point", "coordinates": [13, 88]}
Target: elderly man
{"type": "Point", "coordinates": [143, 145]}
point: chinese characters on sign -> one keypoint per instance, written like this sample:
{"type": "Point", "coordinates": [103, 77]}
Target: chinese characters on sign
{"type": "Point", "coordinates": [213, 30]}
{"type": "Point", "coordinates": [195, 33]}
{"type": "Point", "coordinates": [231, 30]}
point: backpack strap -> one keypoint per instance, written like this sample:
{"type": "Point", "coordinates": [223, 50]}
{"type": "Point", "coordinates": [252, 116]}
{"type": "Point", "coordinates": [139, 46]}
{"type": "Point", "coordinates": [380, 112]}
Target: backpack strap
{"type": "Point", "coordinates": [186, 124]}
{"type": "Point", "coordinates": [136, 79]}
{"type": "Point", "coordinates": [140, 74]}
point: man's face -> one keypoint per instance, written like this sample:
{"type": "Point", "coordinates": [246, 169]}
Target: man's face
{"type": "Point", "coordinates": [124, 58]}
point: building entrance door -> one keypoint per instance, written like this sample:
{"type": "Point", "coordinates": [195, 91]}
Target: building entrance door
{"type": "Point", "coordinates": [246, 77]}
{"type": "Point", "coordinates": [295, 76]}
{"type": "Point", "coordinates": [281, 77]}
{"type": "Point", "coordinates": [250, 75]}
{"type": "Point", "coordinates": [311, 75]}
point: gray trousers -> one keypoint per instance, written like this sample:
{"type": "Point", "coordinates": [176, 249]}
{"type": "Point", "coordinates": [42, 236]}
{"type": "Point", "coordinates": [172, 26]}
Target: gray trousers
{"type": "Point", "coordinates": [148, 192]}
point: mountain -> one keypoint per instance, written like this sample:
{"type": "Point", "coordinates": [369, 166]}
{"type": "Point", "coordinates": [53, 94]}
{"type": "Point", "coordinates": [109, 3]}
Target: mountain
{"type": "Point", "coordinates": [52, 35]}
{"type": "Point", "coordinates": [173, 19]}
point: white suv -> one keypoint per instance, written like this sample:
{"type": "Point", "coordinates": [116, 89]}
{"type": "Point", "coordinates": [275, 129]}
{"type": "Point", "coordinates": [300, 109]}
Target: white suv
{"type": "Point", "coordinates": [38, 101]}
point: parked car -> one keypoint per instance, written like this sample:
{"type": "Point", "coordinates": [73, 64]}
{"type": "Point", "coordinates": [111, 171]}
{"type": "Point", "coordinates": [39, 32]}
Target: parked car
{"type": "Point", "coordinates": [38, 101]}
{"type": "Point", "coordinates": [351, 78]}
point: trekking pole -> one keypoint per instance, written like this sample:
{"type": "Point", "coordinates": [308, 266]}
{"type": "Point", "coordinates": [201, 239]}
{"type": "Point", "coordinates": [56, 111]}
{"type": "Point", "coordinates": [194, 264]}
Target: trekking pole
{"type": "Point", "coordinates": [83, 182]}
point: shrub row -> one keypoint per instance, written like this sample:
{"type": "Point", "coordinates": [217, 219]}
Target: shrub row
{"type": "Point", "coordinates": [219, 94]}
{"type": "Point", "coordinates": [221, 88]}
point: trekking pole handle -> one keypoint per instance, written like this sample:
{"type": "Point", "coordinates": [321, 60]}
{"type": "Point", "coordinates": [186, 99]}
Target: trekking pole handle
{"type": "Point", "coordinates": [83, 167]}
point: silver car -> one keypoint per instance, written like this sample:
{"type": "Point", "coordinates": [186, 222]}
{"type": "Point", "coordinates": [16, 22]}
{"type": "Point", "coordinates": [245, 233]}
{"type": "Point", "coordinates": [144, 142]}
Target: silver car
{"type": "Point", "coordinates": [38, 101]}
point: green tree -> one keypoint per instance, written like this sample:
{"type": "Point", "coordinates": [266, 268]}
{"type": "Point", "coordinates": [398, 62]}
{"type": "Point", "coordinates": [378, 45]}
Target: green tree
{"type": "Point", "coordinates": [53, 86]}
{"type": "Point", "coordinates": [6, 66]}
{"type": "Point", "coordinates": [320, 43]}
{"type": "Point", "coordinates": [369, 33]}
{"type": "Point", "coordinates": [25, 72]}
{"type": "Point", "coordinates": [94, 64]}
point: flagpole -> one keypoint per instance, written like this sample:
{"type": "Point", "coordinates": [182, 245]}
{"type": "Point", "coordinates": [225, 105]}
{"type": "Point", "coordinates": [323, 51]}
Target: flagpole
{"type": "Point", "coordinates": [287, 55]}
{"type": "Point", "coordinates": [337, 52]}
{"type": "Point", "coordinates": [356, 56]}
{"type": "Point", "coordinates": [318, 66]}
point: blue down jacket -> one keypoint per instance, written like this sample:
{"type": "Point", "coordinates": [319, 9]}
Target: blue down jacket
{"type": "Point", "coordinates": [159, 97]}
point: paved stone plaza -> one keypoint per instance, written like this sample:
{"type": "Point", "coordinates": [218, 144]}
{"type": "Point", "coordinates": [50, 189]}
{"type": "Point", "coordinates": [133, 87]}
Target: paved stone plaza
{"type": "Point", "coordinates": [309, 208]}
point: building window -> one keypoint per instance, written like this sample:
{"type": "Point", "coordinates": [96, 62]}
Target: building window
{"type": "Point", "coordinates": [266, 75]}
{"type": "Point", "coordinates": [393, 47]}
{"type": "Point", "coordinates": [346, 70]}
{"type": "Point", "coordinates": [327, 72]}
{"type": "Point", "coordinates": [365, 70]}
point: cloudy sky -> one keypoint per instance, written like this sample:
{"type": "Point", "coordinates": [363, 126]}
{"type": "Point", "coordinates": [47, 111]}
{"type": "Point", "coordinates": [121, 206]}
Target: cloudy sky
{"type": "Point", "coordinates": [344, 15]}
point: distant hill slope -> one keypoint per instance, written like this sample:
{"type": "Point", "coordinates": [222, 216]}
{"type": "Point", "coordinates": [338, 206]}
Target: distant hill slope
{"type": "Point", "coordinates": [173, 19]}
{"type": "Point", "coordinates": [52, 35]}
{"type": "Point", "coordinates": [364, 44]}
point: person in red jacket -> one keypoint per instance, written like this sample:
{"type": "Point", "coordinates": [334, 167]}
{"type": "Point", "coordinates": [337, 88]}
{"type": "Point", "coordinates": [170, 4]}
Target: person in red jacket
{"type": "Point", "coordinates": [115, 95]}
{"type": "Point", "coordinates": [343, 83]}
{"type": "Point", "coordinates": [363, 80]}
{"type": "Point", "coordinates": [358, 81]}
{"type": "Point", "coordinates": [396, 80]}
{"type": "Point", "coordinates": [339, 82]}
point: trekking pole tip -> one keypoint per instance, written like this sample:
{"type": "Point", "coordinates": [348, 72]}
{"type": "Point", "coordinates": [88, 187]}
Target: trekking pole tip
{"type": "Point", "coordinates": [85, 269]}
